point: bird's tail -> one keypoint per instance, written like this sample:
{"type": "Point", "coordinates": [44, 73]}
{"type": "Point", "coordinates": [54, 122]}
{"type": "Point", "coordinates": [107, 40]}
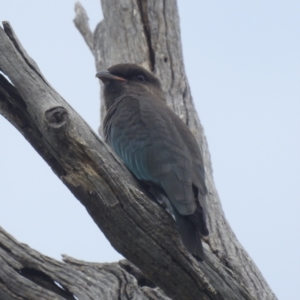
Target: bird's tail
{"type": "Point", "coordinates": [190, 235]}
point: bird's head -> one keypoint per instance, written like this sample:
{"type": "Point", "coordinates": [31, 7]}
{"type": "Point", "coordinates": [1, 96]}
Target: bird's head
{"type": "Point", "coordinates": [125, 79]}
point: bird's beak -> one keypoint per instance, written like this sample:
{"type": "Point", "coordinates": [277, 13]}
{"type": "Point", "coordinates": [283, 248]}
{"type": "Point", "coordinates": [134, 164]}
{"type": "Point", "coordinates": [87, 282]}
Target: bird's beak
{"type": "Point", "coordinates": [106, 76]}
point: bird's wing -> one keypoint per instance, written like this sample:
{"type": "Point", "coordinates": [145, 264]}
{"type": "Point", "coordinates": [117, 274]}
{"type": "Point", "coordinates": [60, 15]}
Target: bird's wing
{"type": "Point", "coordinates": [170, 149]}
{"type": "Point", "coordinates": [187, 161]}
{"type": "Point", "coordinates": [192, 145]}
{"type": "Point", "coordinates": [141, 132]}
{"type": "Point", "coordinates": [198, 172]}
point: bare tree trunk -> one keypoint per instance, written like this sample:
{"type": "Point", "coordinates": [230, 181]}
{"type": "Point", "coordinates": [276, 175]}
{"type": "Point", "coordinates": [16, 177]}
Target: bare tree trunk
{"type": "Point", "coordinates": [147, 33]}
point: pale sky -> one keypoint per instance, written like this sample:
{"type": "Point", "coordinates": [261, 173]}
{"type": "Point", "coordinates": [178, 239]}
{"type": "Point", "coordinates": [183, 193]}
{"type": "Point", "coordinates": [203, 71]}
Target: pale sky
{"type": "Point", "coordinates": [243, 64]}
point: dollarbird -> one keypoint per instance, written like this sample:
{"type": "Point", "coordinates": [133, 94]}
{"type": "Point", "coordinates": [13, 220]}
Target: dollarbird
{"type": "Point", "coordinates": [156, 146]}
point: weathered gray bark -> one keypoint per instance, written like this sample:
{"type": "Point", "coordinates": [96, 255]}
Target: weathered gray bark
{"type": "Point", "coordinates": [146, 33]}
{"type": "Point", "coordinates": [27, 274]}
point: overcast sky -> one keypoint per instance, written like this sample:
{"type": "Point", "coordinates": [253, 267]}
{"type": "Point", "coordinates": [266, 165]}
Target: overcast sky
{"type": "Point", "coordinates": [243, 63]}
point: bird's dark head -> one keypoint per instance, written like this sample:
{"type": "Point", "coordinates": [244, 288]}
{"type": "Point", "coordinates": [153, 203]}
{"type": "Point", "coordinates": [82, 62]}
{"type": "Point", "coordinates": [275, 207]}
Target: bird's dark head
{"type": "Point", "coordinates": [125, 79]}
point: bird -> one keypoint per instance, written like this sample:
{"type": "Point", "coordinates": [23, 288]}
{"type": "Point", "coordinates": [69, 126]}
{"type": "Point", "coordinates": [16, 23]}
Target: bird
{"type": "Point", "coordinates": [156, 146]}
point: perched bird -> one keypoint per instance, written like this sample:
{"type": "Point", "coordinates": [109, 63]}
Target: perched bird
{"type": "Point", "coordinates": [156, 146]}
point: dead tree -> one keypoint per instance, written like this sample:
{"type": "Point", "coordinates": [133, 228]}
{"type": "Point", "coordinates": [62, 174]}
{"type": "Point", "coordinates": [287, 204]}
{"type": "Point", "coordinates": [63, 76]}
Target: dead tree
{"type": "Point", "coordinates": [158, 266]}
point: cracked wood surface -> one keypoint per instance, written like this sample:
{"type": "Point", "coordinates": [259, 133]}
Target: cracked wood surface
{"type": "Point", "coordinates": [136, 226]}
{"type": "Point", "coordinates": [27, 274]}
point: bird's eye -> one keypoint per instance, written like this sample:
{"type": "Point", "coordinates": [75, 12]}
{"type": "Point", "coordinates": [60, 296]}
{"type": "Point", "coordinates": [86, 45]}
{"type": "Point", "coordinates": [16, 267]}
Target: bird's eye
{"type": "Point", "coordinates": [141, 77]}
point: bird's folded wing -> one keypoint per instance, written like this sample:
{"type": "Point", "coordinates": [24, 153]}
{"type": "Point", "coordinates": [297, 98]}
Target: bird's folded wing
{"type": "Point", "coordinates": [142, 132]}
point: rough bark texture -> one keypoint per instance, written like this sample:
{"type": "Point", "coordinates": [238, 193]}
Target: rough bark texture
{"type": "Point", "coordinates": [27, 274]}
{"type": "Point", "coordinates": [147, 33]}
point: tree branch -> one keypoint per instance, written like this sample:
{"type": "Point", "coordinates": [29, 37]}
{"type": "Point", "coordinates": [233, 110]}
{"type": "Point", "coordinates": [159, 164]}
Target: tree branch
{"type": "Point", "coordinates": [26, 274]}
{"type": "Point", "coordinates": [81, 22]}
